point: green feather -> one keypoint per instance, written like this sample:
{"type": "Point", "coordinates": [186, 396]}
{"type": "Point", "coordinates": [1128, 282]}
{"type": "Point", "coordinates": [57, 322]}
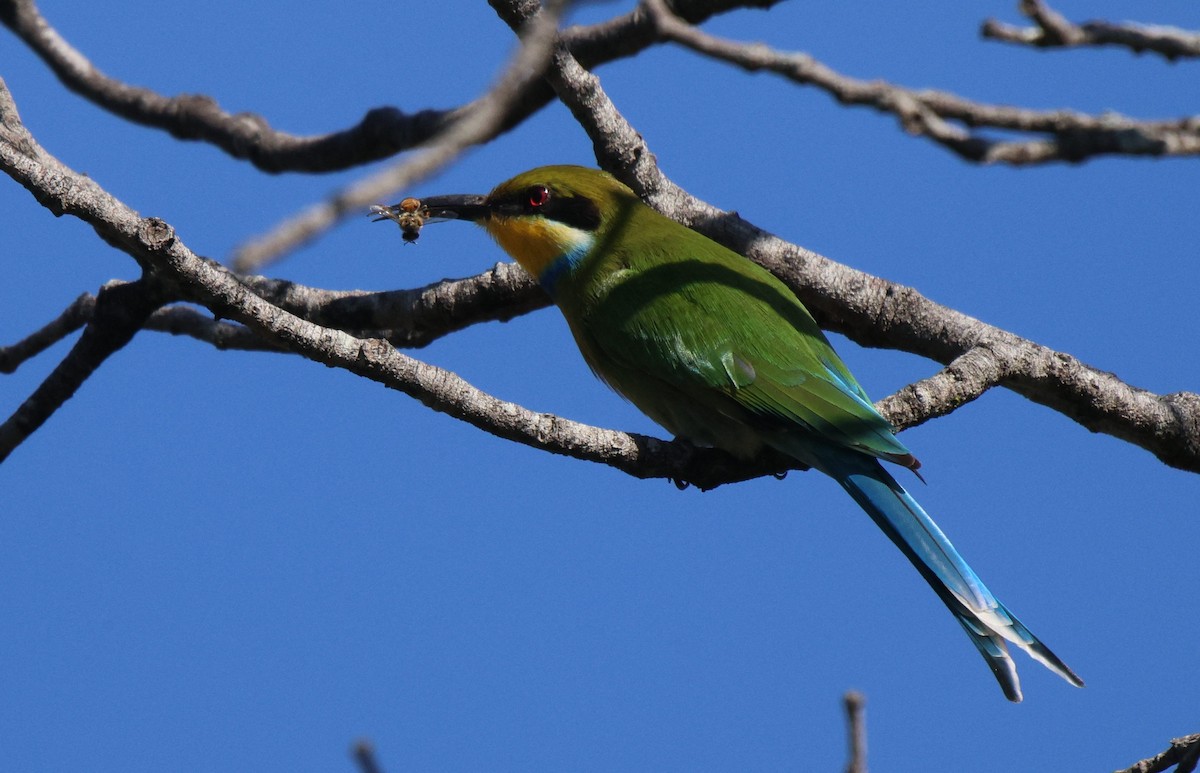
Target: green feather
{"type": "Point", "coordinates": [697, 328]}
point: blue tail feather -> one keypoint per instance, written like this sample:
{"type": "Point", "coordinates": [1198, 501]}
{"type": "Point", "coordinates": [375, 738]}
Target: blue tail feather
{"type": "Point", "coordinates": [987, 622]}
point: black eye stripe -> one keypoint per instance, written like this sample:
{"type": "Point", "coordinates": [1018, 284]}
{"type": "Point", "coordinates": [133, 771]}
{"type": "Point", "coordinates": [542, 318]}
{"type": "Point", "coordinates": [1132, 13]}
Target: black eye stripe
{"type": "Point", "coordinates": [575, 211]}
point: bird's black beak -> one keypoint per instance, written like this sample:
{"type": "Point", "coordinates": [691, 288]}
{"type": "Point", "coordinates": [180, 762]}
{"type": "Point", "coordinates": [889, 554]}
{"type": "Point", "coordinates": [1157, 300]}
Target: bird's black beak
{"type": "Point", "coordinates": [462, 206]}
{"type": "Point", "coordinates": [455, 206]}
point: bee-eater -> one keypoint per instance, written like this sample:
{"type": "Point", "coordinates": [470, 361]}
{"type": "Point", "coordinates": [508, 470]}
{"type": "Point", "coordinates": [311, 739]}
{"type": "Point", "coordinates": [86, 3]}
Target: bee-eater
{"type": "Point", "coordinates": [720, 352]}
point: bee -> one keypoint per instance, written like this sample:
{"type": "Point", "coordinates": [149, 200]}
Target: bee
{"type": "Point", "coordinates": [409, 214]}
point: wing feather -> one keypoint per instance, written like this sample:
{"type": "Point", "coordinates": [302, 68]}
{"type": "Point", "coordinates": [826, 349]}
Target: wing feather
{"type": "Point", "coordinates": [723, 332]}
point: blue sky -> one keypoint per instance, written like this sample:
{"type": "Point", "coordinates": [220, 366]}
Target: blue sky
{"type": "Point", "coordinates": [222, 560]}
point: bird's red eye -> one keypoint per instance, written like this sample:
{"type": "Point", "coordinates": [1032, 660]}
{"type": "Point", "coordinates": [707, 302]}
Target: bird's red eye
{"type": "Point", "coordinates": [537, 196]}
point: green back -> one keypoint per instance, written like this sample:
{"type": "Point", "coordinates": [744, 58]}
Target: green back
{"type": "Point", "coordinates": [711, 345]}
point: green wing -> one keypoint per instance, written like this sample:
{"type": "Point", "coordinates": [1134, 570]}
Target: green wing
{"type": "Point", "coordinates": [726, 338]}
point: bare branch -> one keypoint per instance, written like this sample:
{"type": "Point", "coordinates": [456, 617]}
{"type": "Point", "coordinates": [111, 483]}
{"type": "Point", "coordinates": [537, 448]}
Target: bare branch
{"type": "Point", "coordinates": [1071, 136]}
{"type": "Point", "coordinates": [966, 377]}
{"type": "Point", "coordinates": [478, 124]}
{"type": "Point", "coordinates": [1184, 752]}
{"type": "Point", "coordinates": [856, 730]}
{"type": "Point", "coordinates": [410, 318]}
{"type": "Point", "coordinates": [363, 753]}
{"type": "Point", "coordinates": [119, 312]}
{"type": "Point", "coordinates": [872, 311]}
{"type": "Point", "coordinates": [875, 312]}
{"type": "Point", "coordinates": [184, 321]}
{"type": "Point", "coordinates": [405, 318]}
{"type": "Point", "coordinates": [73, 317]}
{"type": "Point", "coordinates": [382, 132]}
{"type": "Point", "coordinates": [1053, 30]}
{"type": "Point", "coordinates": [156, 246]}
{"type": "Point", "coordinates": [120, 308]}
{"type": "Point", "coordinates": [443, 391]}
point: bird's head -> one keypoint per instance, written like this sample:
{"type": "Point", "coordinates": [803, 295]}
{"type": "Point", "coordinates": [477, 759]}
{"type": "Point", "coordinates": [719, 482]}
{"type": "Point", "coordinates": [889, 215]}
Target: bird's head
{"type": "Point", "coordinates": [547, 218]}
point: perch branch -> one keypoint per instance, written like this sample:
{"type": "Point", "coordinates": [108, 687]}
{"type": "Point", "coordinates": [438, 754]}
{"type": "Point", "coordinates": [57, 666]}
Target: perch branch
{"type": "Point", "coordinates": [157, 248]}
{"type": "Point", "coordinates": [872, 311]}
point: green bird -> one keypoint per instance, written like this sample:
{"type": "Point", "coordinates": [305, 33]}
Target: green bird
{"type": "Point", "coordinates": [720, 352]}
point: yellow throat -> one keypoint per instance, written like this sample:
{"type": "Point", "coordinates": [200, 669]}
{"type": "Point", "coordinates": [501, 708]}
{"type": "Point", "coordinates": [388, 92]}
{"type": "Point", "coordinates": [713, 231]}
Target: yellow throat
{"type": "Point", "coordinates": [538, 243]}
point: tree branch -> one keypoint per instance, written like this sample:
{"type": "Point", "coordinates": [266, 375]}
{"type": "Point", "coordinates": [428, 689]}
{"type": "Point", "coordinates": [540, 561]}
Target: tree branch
{"type": "Point", "coordinates": [119, 312]}
{"type": "Point", "coordinates": [382, 132]}
{"type": "Point", "coordinates": [967, 377]}
{"type": "Point", "coordinates": [156, 246]}
{"type": "Point", "coordinates": [474, 126]}
{"type": "Point", "coordinates": [73, 317]}
{"type": "Point", "coordinates": [637, 455]}
{"type": "Point", "coordinates": [1071, 136]}
{"type": "Point", "coordinates": [856, 730]}
{"type": "Point", "coordinates": [1053, 30]}
{"type": "Point", "coordinates": [363, 753]}
{"type": "Point", "coordinates": [184, 321]}
{"type": "Point", "coordinates": [871, 311]}
{"type": "Point", "coordinates": [1184, 752]}
{"type": "Point", "coordinates": [412, 318]}
{"type": "Point", "coordinates": [405, 318]}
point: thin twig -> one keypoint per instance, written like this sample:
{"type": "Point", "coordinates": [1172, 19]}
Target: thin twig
{"type": "Point", "coordinates": [856, 730]}
{"type": "Point", "coordinates": [967, 377]}
{"type": "Point", "coordinates": [120, 310]}
{"type": "Point", "coordinates": [1184, 752]}
{"type": "Point", "coordinates": [73, 317]}
{"type": "Point", "coordinates": [472, 126]}
{"type": "Point", "coordinates": [383, 132]}
{"type": "Point", "coordinates": [184, 321]}
{"type": "Point", "coordinates": [1071, 136]}
{"type": "Point", "coordinates": [417, 317]}
{"type": "Point", "coordinates": [1052, 30]}
{"type": "Point", "coordinates": [363, 753]}
{"type": "Point", "coordinates": [406, 318]}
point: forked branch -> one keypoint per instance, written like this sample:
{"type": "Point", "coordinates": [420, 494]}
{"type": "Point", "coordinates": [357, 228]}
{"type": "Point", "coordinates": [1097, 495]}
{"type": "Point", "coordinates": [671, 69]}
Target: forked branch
{"type": "Point", "coordinates": [950, 120]}
{"type": "Point", "coordinates": [1052, 30]}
